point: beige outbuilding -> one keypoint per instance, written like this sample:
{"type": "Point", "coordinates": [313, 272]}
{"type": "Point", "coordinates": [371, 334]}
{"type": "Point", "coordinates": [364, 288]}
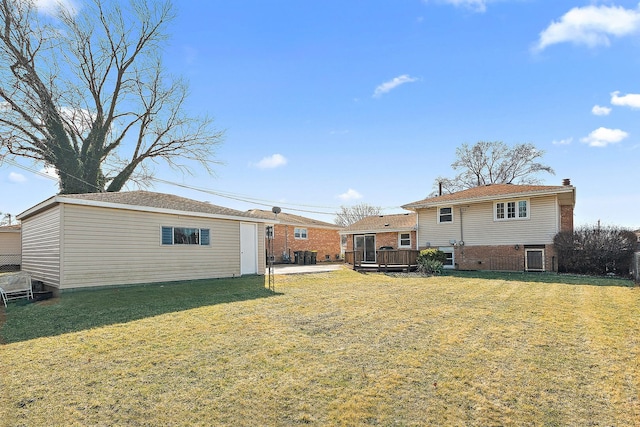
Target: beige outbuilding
{"type": "Point", "coordinates": [9, 247]}
{"type": "Point", "coordinates": [103, 239]}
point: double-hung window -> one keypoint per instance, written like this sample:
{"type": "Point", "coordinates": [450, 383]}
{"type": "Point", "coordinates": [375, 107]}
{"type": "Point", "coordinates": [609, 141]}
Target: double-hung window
{"type": "Point", "coordinates": [511, 210]}
{"type": "Point", "coordinates": [404, 240]}
{"type": "Point", "coordinates": [300, 233]}
{"type": "Point", "coordinates": [445, 215]}
{"type": "Point", "coordinates": [185, 236]}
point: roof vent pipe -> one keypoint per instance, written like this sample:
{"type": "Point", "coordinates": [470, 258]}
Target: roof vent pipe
{"type": "Point", "coordinates": [439, 188]}
{"type": "Point", "coordinates": [566, 182]}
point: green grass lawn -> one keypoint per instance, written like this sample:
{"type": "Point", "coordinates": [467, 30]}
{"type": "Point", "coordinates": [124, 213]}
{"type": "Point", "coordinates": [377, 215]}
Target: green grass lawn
{"type": "Point", "coordinates": [338, 348]}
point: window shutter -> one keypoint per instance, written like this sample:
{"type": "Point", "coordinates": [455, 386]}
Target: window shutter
{"type": "Point", "coordinates": [204, 236]}
{"type": "Point", "coordinates": [167, 235]}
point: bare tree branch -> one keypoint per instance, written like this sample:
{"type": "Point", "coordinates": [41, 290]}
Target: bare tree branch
{"type": "Point", "coordinates": [493, 162]}
{"type": "Point", "coordinates": [352, 214]}
{"type": "Point", "coordinates": [86, 90]}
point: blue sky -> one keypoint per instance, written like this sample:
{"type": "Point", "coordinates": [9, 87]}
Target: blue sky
{"type": "Point", "coordinates": [330, 103]}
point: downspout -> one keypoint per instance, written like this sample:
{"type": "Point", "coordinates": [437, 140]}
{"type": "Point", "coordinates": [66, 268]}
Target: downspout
{"type": "Point", "coordinates": [461, 236]}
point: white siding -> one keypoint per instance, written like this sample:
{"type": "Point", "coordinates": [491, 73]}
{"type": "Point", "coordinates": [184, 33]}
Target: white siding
{"type": "Point", "coordinates": [111, 246]}
{"type": "Point", "coordinates": [480, 228]}
{"type": "Point", "coordinates": [41, 246]}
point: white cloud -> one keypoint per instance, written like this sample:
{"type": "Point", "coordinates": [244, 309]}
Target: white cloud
{"type": "Point", "coordinates": [351, 194]}
{"type": "Point", "coordinates": [392, 84]}
{"type": "Point", "coordinates": [17, 177]}
{"type": "Point", "coordinates": [272, 162]}
{"type": "Point", "coordinates": [602, 137]}
{"type": "Point", "coordinates": [565, 141]}
{"type": "Point", "coordinates": [50, 7]}
{"type": "Point", "coordinates": [80, 119]}
{"type": "Point", "coordinates": [629, 100]}
{"type": "Point", "coordinates": [600, 111]}
{"type": "Point", "coordinates": [49, 171]}
{"type": "Point", "coordinates": [475, 5]}
{"type": "Point", "coordinates": [591, 26]}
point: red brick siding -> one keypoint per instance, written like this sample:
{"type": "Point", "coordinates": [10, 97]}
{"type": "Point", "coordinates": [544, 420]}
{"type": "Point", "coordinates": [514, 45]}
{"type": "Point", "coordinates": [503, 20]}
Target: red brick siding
{"type": "Point", "coordinates": [384, 239]}
{"type": "Point", "coordinates": [325, 241]}
{"type": "Point", "coordinates": [501, 258]}
{"type": "Point", "coordinates": [566, 218]}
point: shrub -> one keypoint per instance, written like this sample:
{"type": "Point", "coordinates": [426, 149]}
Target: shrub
{"type": "Point", "coordinates": [430, 261]}
{"type": "Point", "coordinates": [595, 250]}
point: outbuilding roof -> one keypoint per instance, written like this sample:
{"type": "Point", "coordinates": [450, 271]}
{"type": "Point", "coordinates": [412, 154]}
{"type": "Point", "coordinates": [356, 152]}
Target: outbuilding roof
{"type": "Point", "coordinates": [143, 201]}
{"type": "Point", "coordinates": [15, 228]}
{"type": "Point", "coordinates": [291, 219]}
{"type": "Point", "coordinates": [382, 223]}
{"type": "Point", "coordinates": [492, 192]}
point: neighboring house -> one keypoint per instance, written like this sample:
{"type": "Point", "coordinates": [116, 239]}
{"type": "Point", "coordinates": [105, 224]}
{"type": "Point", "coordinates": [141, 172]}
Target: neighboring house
{"type": "Point", "coordinates": [10, 249]}
{"type": "Point", "coordinates": [293, 233]}
{"type": "Point", "coordinates": [381, 232]}
{"type": "Point", "coordinates": [497, 227]}
{"type": "Point", "coordinates": [101, 239]}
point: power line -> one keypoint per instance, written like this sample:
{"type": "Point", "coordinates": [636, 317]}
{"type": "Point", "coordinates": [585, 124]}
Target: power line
{"type": "Point", "coordinates": [218, 193]}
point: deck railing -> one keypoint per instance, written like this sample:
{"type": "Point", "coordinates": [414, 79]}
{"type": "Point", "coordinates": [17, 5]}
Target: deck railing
{"type": "Point", "coordinates": [387, 258]}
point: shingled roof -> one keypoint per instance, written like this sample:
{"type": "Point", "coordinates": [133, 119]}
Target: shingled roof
{"type": "Point", "coordinates": [10, 228]}
{"type": "Point", "coordinates": [382, 223]}
{"type": "Point", "coordinates": [490, 192]}
{"type": "Point", "coordinates": [140, 200]}
{"type": "Point", "coordinates": [291, 219]}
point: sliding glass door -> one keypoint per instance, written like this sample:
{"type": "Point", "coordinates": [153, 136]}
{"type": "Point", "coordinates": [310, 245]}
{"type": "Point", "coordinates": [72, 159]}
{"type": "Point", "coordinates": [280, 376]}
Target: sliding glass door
{"type": "Point", "coordinates": [365, 245]}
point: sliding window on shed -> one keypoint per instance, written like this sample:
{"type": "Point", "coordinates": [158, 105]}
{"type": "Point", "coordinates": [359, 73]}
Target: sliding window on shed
{"type": "Point", "coordinates": [185, 236]}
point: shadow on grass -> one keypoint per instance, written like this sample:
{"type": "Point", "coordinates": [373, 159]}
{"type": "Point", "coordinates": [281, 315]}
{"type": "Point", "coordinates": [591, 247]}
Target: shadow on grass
{"type": "Point", "coordinates": [569, 279]}
{"type": "Point", "coordinates": [91, 308]}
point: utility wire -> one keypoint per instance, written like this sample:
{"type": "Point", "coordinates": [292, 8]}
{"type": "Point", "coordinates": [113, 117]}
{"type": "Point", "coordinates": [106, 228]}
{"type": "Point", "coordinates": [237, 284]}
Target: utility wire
{"type": "Point", "coordinates": [231, 196]}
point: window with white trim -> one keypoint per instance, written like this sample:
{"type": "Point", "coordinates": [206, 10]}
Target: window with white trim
{"type": "Point", "coordinates": [449, 262]}
{"type": "Point", "coordinates": [300, 233]}
{"type": "Point", "coordinates": [518, 209]}
{"type": "Point", "coordinates": [404, 240]}
{"type": "Point", "coordinates": [185, 236]}
{"type": "Point", "coordinates": [445, 215]}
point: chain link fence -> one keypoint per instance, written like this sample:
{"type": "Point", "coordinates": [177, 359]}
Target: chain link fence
{"type": "Point", "coordinates": [10, 262]}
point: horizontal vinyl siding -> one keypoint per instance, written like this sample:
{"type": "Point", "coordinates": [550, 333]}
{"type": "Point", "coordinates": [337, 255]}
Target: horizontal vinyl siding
{"type": "Point", "coordinates": [41, 246]}
{"type": "Point", "coordinates": [112, 246]}
{"type": "Point", "coordinates": [10, 243]}
{"type": "Point", "coordinates": [262, 249]}
{"type": "Point", "coordinates": [479, 227]}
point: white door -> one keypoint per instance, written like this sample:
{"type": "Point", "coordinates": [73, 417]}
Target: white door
{"type": "Point", "coordinates": [248, 249]}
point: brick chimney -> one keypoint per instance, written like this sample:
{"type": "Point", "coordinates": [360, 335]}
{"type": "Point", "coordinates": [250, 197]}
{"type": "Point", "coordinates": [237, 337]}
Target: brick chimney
{"type": "Point", "coordinates": [566, 182]}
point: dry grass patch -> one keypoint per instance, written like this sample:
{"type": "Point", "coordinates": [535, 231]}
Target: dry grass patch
{"type": "Point", "coordinates": [344, 348]}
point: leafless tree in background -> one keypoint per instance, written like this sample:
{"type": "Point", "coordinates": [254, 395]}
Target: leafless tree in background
{"type": "Point", "coordinates": [493, 163]}
{"type": "Point", "coordinates": [350, 214]}
{"type": "Point", "coordinates": [85, 91]}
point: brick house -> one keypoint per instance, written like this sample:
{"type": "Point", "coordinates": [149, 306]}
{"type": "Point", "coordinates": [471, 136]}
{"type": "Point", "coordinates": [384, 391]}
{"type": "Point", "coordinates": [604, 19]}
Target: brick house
{"type": "Point", "coordinates": [372, 233]}
{"type": "Point", "coordinates": [294, 233]}
{"type": "Point", "coordinates": [497, 227]}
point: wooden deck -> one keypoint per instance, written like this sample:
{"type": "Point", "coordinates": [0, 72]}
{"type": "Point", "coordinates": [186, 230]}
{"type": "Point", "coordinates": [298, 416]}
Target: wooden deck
{"type": "Point", "coordinates": [386, 260]}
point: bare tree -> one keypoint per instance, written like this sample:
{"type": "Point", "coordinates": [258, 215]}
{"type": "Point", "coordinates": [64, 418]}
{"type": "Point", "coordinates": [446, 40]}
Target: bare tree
{"type": "Point", "coordinates": [85, 91]}
{"type": "Point", "coordinates": [494, 163]}
{"type": "Point", "coordinates": [351, 214]}
{"type": "Point", "coordinates": [6, 219]}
